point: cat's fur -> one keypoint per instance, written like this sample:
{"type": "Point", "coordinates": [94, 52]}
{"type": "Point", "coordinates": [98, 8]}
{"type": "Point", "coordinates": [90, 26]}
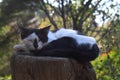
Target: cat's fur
{"type": "Point", "coordinates": [31, 40]}
{"type": "Point", "coordinates": [62, 43]}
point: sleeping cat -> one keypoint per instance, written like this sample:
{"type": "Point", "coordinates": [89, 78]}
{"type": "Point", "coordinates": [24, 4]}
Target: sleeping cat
{"type": "Point", "coordinates": [61, 43]}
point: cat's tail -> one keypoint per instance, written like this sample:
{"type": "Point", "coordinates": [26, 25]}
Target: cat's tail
{"type": "Point", "coordinates": [84, 53]}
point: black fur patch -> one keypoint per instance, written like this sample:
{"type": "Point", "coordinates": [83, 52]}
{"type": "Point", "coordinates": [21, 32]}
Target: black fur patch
{"type": "Point", "coordinates": [67, 47]}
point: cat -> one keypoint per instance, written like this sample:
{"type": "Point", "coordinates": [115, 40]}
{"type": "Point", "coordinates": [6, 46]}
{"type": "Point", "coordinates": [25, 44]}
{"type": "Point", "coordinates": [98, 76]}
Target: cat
{"type": "Point", "coordinates": [61, 43]}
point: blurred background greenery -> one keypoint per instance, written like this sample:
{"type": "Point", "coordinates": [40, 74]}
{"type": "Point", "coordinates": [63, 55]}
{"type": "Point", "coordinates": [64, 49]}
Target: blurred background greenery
{"type": "Point", "coordinates": [97, 18]}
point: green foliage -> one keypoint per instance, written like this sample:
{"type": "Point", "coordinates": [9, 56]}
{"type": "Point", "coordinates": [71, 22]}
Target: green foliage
{"type": "Point", "coordinates": [107, 66]}
{"type": "Point", "coordinates": [8, 77]}
{"type": "Point", "coordinates": [7, 39]}
{"type": "Point", "coordinates": [4, 30]}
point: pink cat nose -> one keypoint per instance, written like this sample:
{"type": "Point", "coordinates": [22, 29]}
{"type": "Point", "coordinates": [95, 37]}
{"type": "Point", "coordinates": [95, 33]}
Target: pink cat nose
{"type": "Point", "coordinates": [35, 43]}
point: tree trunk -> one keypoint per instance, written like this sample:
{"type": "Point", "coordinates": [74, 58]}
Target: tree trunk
{"type": "Point", "coordinates": [26, 67]}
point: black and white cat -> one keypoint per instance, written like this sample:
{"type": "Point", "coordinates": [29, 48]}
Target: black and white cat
{"type": "Point", "coordinates": [61, 43]}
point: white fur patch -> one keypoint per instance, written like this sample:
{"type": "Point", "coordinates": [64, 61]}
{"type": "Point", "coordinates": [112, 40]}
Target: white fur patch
{"type": "Point", "coordinates": [20, 47]}
{"type": "Point", "coordinates": [31, 37]}
{"type": "Point", "coordinates": [65, 32]}
{"type": "Point", "coordinates": [30, 40]}
{"type": "Point", "coordinates": [51, 37]}
{"type": "Point", "coordinates": [81, 39]}
{"type": "Point", "coordinates": [60, 33]}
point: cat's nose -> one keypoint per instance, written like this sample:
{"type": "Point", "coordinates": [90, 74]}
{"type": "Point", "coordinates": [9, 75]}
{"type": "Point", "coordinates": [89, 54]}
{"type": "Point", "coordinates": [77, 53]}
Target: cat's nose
{"type": "Point", "coordinates": [35, 43]}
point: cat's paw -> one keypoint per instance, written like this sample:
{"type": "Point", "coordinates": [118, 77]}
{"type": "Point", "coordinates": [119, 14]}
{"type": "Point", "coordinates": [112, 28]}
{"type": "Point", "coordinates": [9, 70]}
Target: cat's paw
{"type": "Point", "coordinates": [19, 48]}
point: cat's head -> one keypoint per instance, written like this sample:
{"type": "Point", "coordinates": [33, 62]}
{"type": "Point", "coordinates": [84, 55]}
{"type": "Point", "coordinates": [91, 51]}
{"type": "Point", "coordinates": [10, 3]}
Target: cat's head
{"type": "Point", "coordinates": [34, 39]}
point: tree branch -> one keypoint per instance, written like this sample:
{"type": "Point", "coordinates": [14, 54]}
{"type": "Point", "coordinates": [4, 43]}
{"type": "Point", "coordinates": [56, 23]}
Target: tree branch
{"type": "Point", "coordinates": [82, 12]}
{"type": "Point", "coordinates": [63, 14]}
{"type": "Point", "coordinates": [82, 20]}
{"type": "Point", "coordinates": [44, 8]}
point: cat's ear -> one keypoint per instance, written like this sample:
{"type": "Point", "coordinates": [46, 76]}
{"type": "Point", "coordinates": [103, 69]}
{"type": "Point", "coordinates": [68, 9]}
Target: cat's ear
{"type": "Point", "coordinates": [23, 30]}
{"type": "Point", "coordinates": [21, 27]}
{"type": "Point", "coordinates": [46, 29]}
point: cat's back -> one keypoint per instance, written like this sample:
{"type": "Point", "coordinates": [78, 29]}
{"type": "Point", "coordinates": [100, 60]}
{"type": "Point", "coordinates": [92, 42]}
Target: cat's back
{"type": "Point", "coordinates": [81, 39]}
{"type": "Point", "coordinates": [65, 32]}
{"type": "Point", "coordinates": [53, 35]}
